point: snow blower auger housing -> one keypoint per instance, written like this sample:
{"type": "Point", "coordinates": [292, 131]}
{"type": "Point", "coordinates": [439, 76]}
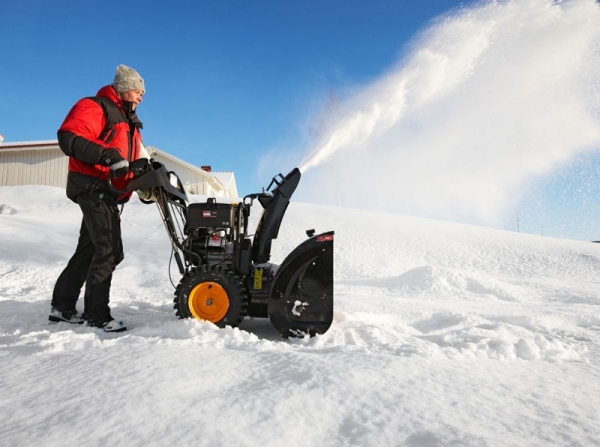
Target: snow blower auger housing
{"type": "Point", "coordinates": [226, 273]}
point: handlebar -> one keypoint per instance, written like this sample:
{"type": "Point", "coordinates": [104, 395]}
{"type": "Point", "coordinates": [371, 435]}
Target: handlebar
{"type": "Point", "coordinates": [137, 167]}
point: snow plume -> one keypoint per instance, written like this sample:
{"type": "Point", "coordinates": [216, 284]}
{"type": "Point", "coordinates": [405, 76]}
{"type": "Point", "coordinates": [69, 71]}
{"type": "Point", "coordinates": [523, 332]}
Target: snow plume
{"type": "Point", "coordinates": [489, 98]}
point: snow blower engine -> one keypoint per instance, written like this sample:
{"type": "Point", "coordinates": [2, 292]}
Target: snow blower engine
{"type": "Point", "coordinates": [226, 273]}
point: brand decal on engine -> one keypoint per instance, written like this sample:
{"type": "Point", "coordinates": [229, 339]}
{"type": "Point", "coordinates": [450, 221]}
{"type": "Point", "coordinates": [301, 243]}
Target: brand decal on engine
{"type": "Point", "coordinates": [258, 277]}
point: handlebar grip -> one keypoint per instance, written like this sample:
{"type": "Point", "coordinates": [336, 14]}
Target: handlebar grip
{"type": "Point", "coordinates": [111, 187]}
{"type": "Point", "coordinates": [138, 167]}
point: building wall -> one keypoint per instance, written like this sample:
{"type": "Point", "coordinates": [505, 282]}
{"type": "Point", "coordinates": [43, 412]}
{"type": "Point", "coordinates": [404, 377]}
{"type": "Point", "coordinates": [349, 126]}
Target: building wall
{"type": "Point", "coordinates": [33, 167]}
{"type": "Point", "coordinates": [48, 166]}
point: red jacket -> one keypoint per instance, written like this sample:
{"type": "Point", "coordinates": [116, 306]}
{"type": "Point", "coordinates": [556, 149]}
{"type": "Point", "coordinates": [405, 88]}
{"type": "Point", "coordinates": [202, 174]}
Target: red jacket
{"type": "Point", "coordinates": [94, 124]}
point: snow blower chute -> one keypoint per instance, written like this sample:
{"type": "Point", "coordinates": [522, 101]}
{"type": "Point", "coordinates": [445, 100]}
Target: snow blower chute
{"type": "Point", "coordinates": [227, 274]}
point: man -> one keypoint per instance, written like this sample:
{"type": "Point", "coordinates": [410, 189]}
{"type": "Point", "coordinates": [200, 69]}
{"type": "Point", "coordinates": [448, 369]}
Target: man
{"type": "Point", "coordinates": [101, 135]}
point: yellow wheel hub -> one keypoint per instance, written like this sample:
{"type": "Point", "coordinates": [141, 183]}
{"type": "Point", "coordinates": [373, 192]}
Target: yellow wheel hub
{"type": "Point", "coordinates": [208, 301]}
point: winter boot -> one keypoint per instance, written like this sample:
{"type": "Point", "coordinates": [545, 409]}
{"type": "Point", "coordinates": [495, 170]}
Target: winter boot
{"type": "Point", "coordinates": [65, 316]}
{"type": "Point", "coordinates": [108, 326]}
{"type": "Point", "coordinates": [114, 326]}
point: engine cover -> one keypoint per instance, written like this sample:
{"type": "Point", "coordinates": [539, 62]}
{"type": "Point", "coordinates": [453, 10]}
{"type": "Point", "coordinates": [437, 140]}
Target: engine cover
{"type": "Point", "coordinates": [210, 215]}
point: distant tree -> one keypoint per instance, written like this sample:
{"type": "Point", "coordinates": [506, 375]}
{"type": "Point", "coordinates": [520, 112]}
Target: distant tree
{"type": "Point", "coordinates": [517, 219]}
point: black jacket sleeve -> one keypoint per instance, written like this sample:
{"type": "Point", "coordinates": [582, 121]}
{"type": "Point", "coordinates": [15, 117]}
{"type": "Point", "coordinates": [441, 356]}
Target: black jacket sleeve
{"type": "Point", "coordinates": [79, 147]}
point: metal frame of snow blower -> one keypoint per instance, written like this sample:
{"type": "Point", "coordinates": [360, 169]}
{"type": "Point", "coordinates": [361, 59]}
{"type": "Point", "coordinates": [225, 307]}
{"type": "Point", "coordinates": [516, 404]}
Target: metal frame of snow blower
{"type": "Point", "coordinates": [297, 296]}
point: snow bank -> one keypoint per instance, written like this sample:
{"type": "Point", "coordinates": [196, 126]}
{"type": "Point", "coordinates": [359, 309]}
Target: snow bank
{"type": "Point", "coordinates": [443, 334]}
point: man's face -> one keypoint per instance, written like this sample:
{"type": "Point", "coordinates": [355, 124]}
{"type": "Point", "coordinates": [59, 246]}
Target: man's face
{"type": "Point", "coordinates": [135, 96]}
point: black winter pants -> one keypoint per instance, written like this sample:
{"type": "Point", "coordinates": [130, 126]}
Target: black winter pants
{"type": "Point", "coordinates": [98, 252]}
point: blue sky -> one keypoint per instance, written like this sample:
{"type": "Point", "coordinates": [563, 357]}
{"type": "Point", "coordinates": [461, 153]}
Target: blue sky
{"type": "Point", "coordinates": [228, 82]}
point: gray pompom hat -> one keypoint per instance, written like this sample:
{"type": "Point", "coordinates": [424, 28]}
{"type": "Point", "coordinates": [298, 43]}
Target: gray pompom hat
{"type": "Point", "coordinates": [126, 79]}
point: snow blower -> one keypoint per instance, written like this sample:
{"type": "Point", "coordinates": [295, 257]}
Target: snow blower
{"type": "Point", "coordinates": [226, 273]}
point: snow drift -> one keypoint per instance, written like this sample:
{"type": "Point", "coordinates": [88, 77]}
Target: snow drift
{"type": "Point", "coordinates": [444, 334]}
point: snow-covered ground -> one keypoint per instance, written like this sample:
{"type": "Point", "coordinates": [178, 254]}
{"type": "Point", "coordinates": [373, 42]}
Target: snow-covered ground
{"type": "Point", "coordinates": [444, 335]}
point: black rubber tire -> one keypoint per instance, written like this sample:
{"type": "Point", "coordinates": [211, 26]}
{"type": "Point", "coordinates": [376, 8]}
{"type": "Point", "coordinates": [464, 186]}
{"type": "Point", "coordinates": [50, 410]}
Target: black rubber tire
{"type": "Point", "coordinates": [236, 295]}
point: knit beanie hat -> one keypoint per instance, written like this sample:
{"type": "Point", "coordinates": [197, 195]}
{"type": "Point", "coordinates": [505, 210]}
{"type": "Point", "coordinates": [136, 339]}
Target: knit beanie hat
{"type": "Point", "coordinates": [127, 79]}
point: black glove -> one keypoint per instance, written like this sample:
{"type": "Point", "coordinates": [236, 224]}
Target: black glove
{"type": "Point", "coordinates": [117, 164]}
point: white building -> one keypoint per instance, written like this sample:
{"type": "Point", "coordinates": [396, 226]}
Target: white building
{"type": "Point", "coordinates": [43, 163]}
